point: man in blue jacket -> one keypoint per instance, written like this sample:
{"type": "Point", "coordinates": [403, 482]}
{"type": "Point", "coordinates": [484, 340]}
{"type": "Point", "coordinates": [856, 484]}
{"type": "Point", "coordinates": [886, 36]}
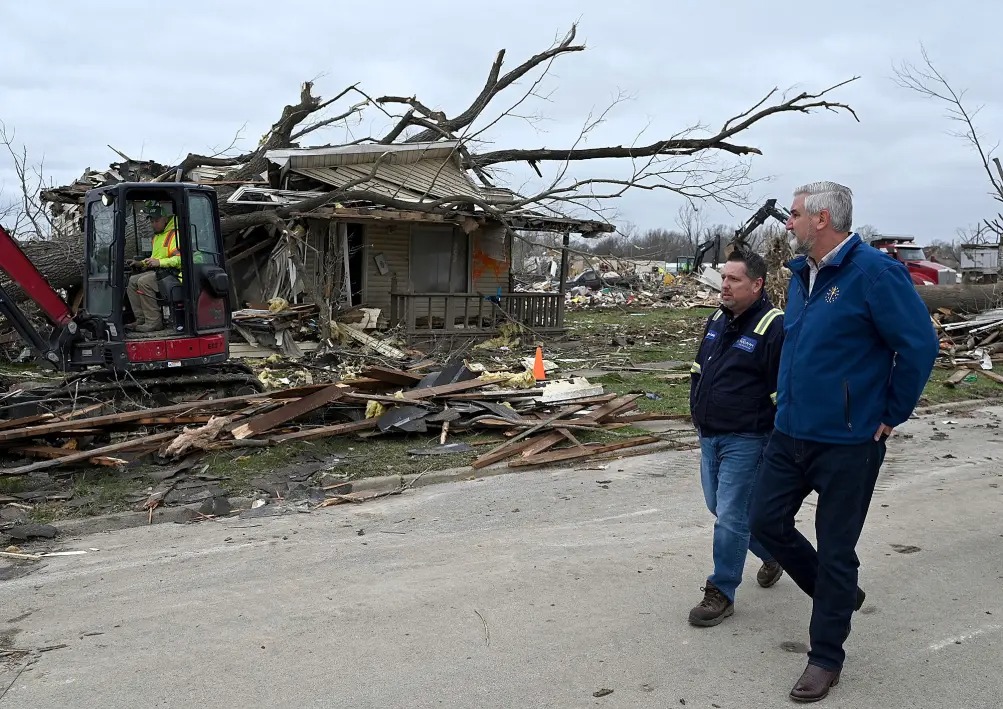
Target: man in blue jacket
{"type": "Point", "coordinates": [733, 386]}
{"type": "Point", "coordinates": [859, 347]}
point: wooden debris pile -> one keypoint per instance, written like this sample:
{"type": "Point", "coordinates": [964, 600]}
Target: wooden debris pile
{"type": "Point", "coordinates": [280, 328]}
{"type": "Point", "coordinates": [551, 438]}
{"type": "Point", "coordinates": [535, 418]}
{"type": "Point", "coordinates": [970, 344]}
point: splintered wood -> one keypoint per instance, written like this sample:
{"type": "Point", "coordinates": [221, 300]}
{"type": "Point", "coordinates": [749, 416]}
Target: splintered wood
{"type": "Point", "coordinates": [555, 429]}
{"type": "Point", "coordinates": [533, 423]}
{"type": "Point", "coordinates": [970, 344]}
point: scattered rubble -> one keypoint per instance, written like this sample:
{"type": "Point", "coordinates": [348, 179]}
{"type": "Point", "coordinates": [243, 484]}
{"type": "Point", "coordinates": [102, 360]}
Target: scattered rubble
{"type": "Point", "coordinates": [970, 344]}
{"type": "Point", "coordinates": [684, 291]}
{"type": "Point", "coordinates": [530, 422]}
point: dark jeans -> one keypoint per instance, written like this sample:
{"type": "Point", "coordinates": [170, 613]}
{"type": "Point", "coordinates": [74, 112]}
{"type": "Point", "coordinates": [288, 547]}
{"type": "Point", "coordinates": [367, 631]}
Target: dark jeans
{"type": "Point", "coordinates": [844, 477]}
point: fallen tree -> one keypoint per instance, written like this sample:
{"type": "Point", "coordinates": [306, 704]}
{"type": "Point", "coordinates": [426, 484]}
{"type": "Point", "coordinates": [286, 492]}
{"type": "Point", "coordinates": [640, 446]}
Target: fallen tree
{"type": "Point", "coordinates": [695, 163]}
{"type": "Point", "coordinates": [965, 299]}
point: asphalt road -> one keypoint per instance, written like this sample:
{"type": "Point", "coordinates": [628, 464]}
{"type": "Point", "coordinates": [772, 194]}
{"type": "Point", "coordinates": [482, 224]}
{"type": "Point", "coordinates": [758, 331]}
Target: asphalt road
{"type": "Point", "coordinates": [535, 589]}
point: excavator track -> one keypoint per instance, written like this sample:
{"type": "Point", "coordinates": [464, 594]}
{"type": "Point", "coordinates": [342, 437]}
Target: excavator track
{"type": "Point", "coordinates": [134, 390]}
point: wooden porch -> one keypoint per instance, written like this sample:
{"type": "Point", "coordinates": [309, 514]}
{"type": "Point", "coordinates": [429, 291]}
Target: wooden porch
{"type": "Point", "coordinates": [473, 313]}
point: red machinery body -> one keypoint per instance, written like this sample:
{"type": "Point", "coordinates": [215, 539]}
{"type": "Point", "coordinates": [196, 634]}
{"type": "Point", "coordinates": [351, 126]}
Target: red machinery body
{"type": "Point", "coordinates": [194, 297]}
{"type": "Point", "coordinates": [923, 271]}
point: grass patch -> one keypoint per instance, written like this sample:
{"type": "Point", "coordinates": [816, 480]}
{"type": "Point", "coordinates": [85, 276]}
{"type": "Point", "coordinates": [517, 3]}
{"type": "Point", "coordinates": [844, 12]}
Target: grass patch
{"type": "Point", "coordinates": [936, 393]}
{"type": "Point", "coordinates": [383, 455]}
{"type": "Point", "coordinates": [652, 335]}
{"type": "Point", "coordinates": [96, 491]}
{"type": "Point", "coordinates": [673, 396]}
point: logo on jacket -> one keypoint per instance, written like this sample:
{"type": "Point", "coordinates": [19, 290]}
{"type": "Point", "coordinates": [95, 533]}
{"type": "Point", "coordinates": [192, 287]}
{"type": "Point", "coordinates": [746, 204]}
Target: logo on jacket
{"type": "Point", "coordinates": [831, 294]}
{"type": "Point", "coordinates": [746, 343]}
{"type": "Point", "coordinates": [711, 335]}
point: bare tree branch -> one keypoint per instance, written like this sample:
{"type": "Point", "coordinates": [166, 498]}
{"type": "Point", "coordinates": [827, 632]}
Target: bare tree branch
{"type": "Point", "coordinates": [803, 103]}
{"type": "Point", "coordinates": [930, 82]}
{"type": "Point", "coordinates": [31, 181]}
{"type": "Point", "coordinates": [495, 85]}
{"type": "Point", "coordinates": [357, 108]}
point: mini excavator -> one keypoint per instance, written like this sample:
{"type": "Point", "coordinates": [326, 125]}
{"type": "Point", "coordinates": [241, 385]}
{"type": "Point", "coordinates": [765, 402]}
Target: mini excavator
{"type": "Point", "coordinates": [93, 346]}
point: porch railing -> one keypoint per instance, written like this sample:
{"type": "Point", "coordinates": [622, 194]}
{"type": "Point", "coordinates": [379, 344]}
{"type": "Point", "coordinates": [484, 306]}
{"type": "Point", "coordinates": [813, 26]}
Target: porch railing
{"type": "Point", "coordinates": [436, 313]}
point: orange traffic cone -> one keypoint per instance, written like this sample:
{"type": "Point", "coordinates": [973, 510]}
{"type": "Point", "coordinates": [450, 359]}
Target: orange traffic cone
{"type": "Point", "coordinates": [538, 372]}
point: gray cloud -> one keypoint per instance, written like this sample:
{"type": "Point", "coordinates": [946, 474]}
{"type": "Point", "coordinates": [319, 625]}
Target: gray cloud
{"type": "Point", "coordinates": [158, 80]}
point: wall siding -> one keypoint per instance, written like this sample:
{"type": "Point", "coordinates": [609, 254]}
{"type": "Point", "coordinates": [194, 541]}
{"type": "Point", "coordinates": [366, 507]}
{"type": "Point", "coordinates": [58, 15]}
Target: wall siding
{"type": "Point", "coordinates": [393, 241]}
{"type": "Point", "coordinates": [489, 263]}
{"type": "Point", "coordinates": [491, 259]}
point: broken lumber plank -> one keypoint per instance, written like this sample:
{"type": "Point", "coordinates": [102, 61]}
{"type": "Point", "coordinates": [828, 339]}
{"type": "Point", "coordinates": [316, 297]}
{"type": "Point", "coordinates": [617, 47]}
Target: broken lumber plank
{"type": "Point", "coordinates": [616, 406]}
{"type": "Point", "coordinates": [956, 378]}
{"type": "Point", "coordinates": [508, 394]}
{"type": "Point", "coordinates": [382, 347]}
{"type": "Point", "coordinates": [989, 374]}
{"type": "Point", "coordinates": [84, 455]}
{"type": "Point", "coordinates": [61, 415]}
{"type": "Point", "coordinates": [445, 389]}
{"type": "Point", "coordinates": [542, 443]}
{"type": "Point", "coordinates": [644, 416]}
{"type": "Point", "coordinates": [581, 452]}
{"type": "Point", "coordinates": [502, 452]}
{"type": "Point", "coordinates": [169, 420]}
{"type": "Point", "coordinates": [128, 416]}
{"type": "Point", "coordinates": [506, 449]}
{"type": "Point", "coordinates": [52, 453]}
{"type": "Point", "coordinates": [292, 410]}
{"type": "Point", "coordinates": [570, 436]}
{"type": "Point", "coordinates": [326, 431]}
{"type": "Point", "coordinates": [390, 376]}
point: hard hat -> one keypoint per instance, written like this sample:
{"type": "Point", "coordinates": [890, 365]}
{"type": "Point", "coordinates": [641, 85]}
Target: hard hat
{"type": "Point", "coordinates": [154, 210]}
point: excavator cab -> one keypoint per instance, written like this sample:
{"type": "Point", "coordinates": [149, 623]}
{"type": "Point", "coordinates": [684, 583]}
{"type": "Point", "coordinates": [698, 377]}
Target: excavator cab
{"type": "Point", "coordinates": [121, 224]}
{"type": "Point", "coordinates": [193, 298]}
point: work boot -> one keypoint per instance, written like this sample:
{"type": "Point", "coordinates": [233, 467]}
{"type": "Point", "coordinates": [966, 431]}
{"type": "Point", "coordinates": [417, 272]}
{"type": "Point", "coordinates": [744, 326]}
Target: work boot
{"type": "Point", "coordinates": [714, 607]}
{"type": "Point", "coordinates": [154, 326]}
{"type": "Point", "coordinates": [769, 573]}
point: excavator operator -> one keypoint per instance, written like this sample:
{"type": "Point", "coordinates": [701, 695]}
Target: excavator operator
{"type": "Point", "coordinates": [164, 259]}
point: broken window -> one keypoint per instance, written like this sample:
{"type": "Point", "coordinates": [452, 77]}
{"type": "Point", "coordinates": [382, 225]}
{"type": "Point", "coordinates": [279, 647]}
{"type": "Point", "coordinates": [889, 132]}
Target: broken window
{"type": "Point", "coordinates": [440, 259]}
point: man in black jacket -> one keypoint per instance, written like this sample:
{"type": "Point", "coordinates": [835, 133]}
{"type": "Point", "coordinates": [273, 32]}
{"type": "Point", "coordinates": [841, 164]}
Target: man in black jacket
{"type": "Point", "coordinates": [733, 388]}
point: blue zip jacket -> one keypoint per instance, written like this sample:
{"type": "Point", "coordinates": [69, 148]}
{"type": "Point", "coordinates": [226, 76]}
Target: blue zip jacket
{"type": "Point", "coordinates": [857, 352]}
{"type": "Point", "coordinates": [733, 380]}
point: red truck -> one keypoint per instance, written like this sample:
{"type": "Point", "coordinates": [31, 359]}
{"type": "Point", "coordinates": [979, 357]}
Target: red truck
{"type": "Point", "coordinates": [923, 272]}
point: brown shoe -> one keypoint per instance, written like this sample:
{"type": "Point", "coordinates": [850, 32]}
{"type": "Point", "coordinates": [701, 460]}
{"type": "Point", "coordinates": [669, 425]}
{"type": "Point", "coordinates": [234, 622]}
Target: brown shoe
{"type": "Point", "coordinates": [769, 573]}
{"type": "Point", "coordinates": [714, 608]}
{"type": "Point", "coordinates": [814, 684]}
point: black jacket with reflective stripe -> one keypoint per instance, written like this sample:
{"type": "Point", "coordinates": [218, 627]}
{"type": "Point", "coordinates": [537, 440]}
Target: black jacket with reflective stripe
{"type": "Point", "coordinates": [733, 382]}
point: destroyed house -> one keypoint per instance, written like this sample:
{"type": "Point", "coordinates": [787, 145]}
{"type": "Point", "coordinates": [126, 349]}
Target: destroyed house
{"type": "Point", "coordinates": [427, 273]}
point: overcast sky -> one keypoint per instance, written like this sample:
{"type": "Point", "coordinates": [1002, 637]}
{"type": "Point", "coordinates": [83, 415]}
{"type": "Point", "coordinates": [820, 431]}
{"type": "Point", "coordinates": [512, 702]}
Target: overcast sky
{"type": "Point", "coordinates": [158, 80]}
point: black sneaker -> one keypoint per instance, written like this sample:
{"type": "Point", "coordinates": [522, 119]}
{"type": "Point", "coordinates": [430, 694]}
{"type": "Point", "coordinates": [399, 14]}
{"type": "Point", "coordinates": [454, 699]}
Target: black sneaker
{"type": "Point", "coordinates": [769, 573]}
{"type": "Point", "coordinates": [714, 608]}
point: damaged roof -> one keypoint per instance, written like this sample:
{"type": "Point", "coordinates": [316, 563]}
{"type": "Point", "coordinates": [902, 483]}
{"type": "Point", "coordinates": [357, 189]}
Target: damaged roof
{"type": "Point", "coordinates": [415, 172]}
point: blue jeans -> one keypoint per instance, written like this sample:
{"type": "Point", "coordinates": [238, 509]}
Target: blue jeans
{"type": "Point", "coordinates": [844, 478]}
{"type": "Point", "coordinates": [728, 469]}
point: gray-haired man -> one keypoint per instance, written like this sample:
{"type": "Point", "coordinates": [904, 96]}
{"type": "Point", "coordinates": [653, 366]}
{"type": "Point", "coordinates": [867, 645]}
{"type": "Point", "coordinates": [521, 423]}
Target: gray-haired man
{"type": "Point", "coordinates": [858, 350]}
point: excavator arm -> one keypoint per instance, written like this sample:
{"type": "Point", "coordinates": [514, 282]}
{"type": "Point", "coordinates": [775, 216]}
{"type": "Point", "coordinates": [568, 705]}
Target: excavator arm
{"type": "Point", "coordinates": [24, 273]}
{"type": "Point", "coordinates": [769, 209]}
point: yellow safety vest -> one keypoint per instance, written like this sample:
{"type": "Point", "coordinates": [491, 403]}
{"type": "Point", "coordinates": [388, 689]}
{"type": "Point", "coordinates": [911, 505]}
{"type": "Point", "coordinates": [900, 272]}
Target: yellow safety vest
{"type": "Point", "coordinates": [165, 247]}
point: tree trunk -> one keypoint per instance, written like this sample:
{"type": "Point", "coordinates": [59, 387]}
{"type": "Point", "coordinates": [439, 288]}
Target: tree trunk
{"type": "Point", "coordinates": [966, 299]}
{"type": "Point", "coordinates": [60, 262]}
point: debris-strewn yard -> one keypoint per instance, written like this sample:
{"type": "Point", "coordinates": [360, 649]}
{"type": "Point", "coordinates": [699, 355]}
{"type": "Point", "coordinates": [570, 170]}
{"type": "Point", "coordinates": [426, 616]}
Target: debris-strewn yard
{"type": "Point", "coordinates": [618, 383]}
